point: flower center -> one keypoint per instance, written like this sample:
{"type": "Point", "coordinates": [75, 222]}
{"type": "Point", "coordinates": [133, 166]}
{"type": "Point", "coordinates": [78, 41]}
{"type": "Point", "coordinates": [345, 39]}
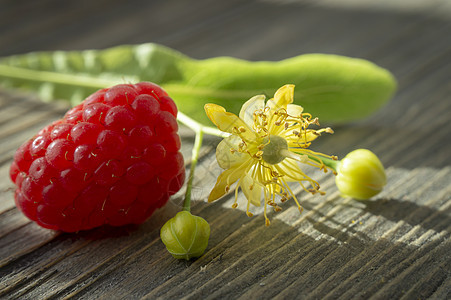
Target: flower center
{"type": "Point", "coordinates": [272, 151]}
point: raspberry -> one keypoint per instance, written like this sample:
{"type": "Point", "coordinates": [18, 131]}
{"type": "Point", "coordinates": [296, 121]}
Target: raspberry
{"type": "Point", "coordinates": [113, 159]}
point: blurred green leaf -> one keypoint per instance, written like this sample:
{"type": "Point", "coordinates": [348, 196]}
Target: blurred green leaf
{"type": "Point", "coordinates": [334, 88]}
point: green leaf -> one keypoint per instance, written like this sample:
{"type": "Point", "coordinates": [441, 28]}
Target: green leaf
{"type": "Point", "coordinates": [74, 75]}
{"type": "Point", "coordinates": [334, 88]}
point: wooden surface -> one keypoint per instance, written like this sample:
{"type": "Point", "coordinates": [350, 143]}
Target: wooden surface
{"type": "Point", "coordinates": [396, 245]}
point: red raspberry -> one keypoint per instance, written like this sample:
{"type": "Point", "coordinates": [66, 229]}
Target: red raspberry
{"type": "Point", "coordinates": [113, 159]}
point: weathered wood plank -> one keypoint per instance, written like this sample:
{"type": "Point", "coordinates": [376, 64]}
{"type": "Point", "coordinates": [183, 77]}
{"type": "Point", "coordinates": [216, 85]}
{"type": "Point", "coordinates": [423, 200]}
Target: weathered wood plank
{"type": "Point", "coordinates": [130, 273]}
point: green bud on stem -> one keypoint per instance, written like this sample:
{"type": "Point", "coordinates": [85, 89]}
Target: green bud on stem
{"type": "Point", "coordinates": [185, 236]}
{"type": "Point", "coordinates": [361, 175]}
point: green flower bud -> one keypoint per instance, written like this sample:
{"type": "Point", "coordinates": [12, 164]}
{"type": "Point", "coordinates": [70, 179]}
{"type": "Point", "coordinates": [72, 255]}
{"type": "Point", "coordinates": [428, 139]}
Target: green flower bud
{"type": "Point", "coordinates": [361, 175]}
{"type": "Point", "coordinates": [185, 236]}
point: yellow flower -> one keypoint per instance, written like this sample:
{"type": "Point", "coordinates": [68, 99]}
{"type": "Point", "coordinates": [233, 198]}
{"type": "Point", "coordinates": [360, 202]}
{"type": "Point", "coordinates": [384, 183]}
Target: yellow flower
{"type": "Point", "coordinates": [267, 142]}
{"type": "Point", "coordinates": [361, 175]}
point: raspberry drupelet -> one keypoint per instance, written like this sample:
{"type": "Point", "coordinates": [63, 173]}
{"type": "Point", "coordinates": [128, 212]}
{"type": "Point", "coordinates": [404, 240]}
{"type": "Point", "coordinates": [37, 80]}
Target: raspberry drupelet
{"type": "Point", "coordinates": [113, 159]}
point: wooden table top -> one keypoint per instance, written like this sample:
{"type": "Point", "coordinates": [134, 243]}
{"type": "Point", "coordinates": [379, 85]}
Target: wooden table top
{"type": "Point", "coordinates": [396, 245]}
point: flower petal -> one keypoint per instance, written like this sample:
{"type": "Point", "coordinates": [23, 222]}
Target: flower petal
{"type": "Point", "coordinates": [294, 110]}
{"type": "Point", "coordinates": [226, 157]}
{"type": "Point", "coordinates": [225, 179]}
{"type": "Point", "coordinates": [271, 104]}
{"type": "Point", "coordinates": [284, 96]}
{"type": "Point", "coordinates": [227, 121]}
{"type": "Point", "coordinates": [249, 107]}
{"type": "Point", "coordinates": [252, 189]}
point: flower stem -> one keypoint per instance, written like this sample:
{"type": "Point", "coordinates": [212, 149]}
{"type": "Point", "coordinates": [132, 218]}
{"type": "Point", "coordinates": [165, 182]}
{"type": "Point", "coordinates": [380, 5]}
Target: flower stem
{"type": "Point", "coordinates": [194, 159]}
{"type": "Point", "coordinates": [328, 162]}
{"type": "Point", "coordinates": [331, 163]}
{"type": "Point", "coordinates": [197, 127]}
